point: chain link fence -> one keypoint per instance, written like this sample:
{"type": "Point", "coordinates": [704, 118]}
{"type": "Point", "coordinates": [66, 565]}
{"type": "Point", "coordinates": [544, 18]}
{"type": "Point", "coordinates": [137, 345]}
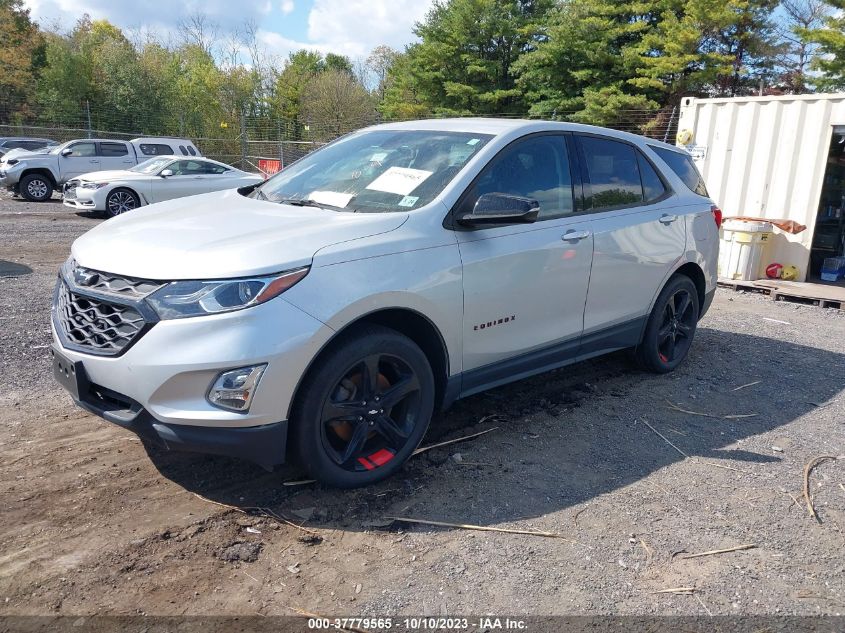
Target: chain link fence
{"type": "Point", "coordinates": [254, 142]}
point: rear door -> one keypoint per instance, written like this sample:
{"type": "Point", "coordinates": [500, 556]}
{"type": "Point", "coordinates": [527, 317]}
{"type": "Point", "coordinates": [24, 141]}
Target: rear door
{"type": "Point", "coordinates": [638, 235]}
{"type": "Point", "coordinates": [524, 285]}
{"type": "Point", "coordinates": [82, 159]}
{"type": "Point", "coordinates": [116, 155]}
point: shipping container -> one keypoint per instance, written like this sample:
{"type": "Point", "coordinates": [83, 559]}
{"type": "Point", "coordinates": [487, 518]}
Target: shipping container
{"type": "Point", "coordinates": [775, 157]}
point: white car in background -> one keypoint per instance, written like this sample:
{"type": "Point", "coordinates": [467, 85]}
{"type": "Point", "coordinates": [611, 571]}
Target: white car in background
{"type": "Point", "coordinates": [155, 180]}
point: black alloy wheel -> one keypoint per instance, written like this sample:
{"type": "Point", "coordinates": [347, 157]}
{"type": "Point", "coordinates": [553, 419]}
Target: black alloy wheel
{"type": "Point", "coordinates": [370, 413]}
{"type": "Point", "coordinates": [671, 326]}
{"type": "Point", "coordinates": [363, 408]}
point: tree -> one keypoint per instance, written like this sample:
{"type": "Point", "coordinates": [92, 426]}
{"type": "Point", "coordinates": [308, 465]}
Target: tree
{"type": "Point", "coordinates": [334, 103]}
{"type": "Point", "coordinates": [830, 38]}
{"type": "Point", "coordinates": [709, 47]}
{"type": "Point", "coordinates": [464, 62]}
{"type": "Point", "coordinates": [379, 63]}
{"type": "Point", "coordinates": [801, 18]}
{"type": "Point", "coordinates": [21, 56]}
{"type": "Point", "coordinates": [582, 66]}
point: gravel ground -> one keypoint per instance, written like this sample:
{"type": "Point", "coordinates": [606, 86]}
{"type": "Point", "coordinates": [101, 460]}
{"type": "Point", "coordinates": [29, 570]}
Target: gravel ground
{"type": "Point", "coordinates": [599, 453]}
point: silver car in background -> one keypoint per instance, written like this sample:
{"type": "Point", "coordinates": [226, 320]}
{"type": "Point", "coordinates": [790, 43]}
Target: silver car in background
{"type": "Point", "coordinates": [329, 312]}
{"type": "Point", "coordinates": [155, 180]}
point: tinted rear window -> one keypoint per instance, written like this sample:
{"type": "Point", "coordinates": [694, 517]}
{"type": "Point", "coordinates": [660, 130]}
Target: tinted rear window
{"type": "Point", "coordinates": [155, 149]}
{"type": "Point", "coordinates": [613, 171]}
{"type": "Point", "coordinates": [683, 166]}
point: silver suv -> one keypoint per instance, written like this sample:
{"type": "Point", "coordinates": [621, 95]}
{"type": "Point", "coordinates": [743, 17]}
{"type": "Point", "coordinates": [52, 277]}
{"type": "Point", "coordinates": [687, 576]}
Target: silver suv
{"type": "Point", "coordinates": [330, 311]}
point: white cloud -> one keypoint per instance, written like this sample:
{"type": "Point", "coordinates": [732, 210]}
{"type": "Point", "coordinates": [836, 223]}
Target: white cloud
{"type": "Point", "coordinates": [349, 27]}
{"type": "Point", "coordinates": [355, 27]}
{"type": "Point", "coordinates": [148, 13]}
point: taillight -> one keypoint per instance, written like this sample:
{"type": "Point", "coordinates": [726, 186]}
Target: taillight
{"type": "Point", "coordinates": [717, 216]}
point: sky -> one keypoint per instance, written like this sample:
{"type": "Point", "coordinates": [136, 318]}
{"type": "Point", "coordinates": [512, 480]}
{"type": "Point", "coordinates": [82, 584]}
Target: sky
{"type": "Point", "coordinates": [349, 27]}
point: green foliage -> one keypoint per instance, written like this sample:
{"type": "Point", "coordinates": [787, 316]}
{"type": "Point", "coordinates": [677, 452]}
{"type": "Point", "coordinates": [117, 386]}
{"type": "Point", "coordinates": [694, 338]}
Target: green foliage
{"type": "Point", "coordinates": [606, 62]}
{"type": "Point", "coordinates": [464, 62]}
{"type": "Point", "coordinates": [830, 62]}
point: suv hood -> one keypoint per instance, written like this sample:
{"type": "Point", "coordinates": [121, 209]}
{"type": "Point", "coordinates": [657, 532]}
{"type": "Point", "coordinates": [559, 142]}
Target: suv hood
{"type": "Point", "coordinates": [220, 235]}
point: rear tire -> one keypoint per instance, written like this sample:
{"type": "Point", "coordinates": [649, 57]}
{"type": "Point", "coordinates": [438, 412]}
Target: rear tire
{"type": "Point", "coordinates": [671, 327]}
{"type": "Point", "coordinates": [36, 188]}
{"type": "Point", "coordinates": [363, 408]}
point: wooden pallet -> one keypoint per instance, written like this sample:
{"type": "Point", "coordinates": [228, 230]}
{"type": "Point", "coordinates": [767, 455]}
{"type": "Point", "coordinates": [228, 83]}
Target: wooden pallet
{"type": "Point", "coordinates": [798, 291]}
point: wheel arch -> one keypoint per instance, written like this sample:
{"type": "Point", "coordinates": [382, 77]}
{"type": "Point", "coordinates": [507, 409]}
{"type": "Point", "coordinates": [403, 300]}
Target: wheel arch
{"type": "Point", "coordinates": [696, 274]}
{"type": "Point", "coordinates": [41, 171]}
{"type": "Point", "coordinates": [406, 321]}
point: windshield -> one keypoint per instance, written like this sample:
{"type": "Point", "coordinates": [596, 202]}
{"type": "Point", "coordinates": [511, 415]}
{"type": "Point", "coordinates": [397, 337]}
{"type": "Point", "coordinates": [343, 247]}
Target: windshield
{"type": "Point", "coordinates": [151, 166]}
{"type": "Point", "coordinates": [375, 171]}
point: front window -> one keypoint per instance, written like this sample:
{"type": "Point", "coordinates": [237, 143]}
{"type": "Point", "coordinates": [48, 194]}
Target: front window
{"type": "Point", "coordinates": [151, 166]}
{"type": "Point", "coordinates": [375, 171]}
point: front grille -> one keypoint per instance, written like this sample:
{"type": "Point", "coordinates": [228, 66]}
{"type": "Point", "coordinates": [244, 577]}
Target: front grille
{"type": "Point", "coordinates": [69, 190]}
{"type": "Point", "coordinates": [116, 285]}
{"type": "Point", "coordinates": [95, 324]}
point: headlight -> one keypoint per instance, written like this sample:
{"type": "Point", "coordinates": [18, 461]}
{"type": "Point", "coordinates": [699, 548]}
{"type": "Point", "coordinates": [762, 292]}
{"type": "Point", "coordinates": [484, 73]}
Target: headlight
{"type": "Point", "coordinates": [181, 299]}
{"type": "Point", "coordinates": [92, 185]}
{"type": "Point", "coordinates": [12, 161]}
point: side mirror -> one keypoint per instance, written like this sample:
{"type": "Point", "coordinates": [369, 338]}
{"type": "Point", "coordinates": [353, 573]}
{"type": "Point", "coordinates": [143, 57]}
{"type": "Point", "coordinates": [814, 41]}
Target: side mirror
{"type": "Point", "coordinates": [501, 208]}
{"type": "Point", "coordinates": [67, 151]}
{"type": "Point", "coordinates": [164, 173]}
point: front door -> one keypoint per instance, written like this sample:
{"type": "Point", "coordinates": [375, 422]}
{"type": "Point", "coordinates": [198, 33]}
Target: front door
{"type": "Point", "coordinates": [82, 159]}
{"type": "Point", "coordinates": [188, 178]}
{"type": "Point", "coordinates": [524, 285]}
{"type": "Point", "coordinates": [639, 235]}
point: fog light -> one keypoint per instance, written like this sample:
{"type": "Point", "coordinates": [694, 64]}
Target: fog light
{"type": "Point", "coordinates": [234, 389]}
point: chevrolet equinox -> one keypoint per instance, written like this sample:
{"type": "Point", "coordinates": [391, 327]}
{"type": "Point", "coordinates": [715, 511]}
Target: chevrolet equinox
{"type": "Point", "coordinates": [328, 312]}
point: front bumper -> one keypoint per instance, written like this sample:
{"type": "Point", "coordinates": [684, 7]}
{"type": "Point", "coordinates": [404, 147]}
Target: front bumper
{"type": "Point", "coordinates": [264, 445]}
{"type": "Point", "coordinates": [157, 386]}
{"type": "Point", "coordinates": [81, 199]}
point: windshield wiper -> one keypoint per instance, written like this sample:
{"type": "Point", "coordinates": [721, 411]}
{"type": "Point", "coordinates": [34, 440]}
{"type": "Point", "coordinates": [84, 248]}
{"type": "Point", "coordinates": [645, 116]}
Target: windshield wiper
{"type": "Point", "coordinates": [308, 202]}
{"type": "Point", "coordinates": [300, 202]}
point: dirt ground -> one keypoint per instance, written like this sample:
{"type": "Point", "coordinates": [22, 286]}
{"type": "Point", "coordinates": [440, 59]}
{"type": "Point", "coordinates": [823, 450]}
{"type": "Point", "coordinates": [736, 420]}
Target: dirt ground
{"type": "Point", "coordinates": [599, 453]}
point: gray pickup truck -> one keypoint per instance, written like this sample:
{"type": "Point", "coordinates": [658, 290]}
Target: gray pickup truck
{"type": "Point", "coordinates": [35, 175]}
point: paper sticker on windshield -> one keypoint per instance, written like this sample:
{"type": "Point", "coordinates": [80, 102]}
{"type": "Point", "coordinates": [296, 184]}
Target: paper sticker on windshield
{"type": "Point", "coordinates": [473, 141]}
{"type": "Point", "coordinates": [399, 180]}
{"type": "Point", "coordinates": [408, 201]}
{"type": "Point", "coordinates": [378, 157]}
{"type": "Point", "coordinates": [332, 198]}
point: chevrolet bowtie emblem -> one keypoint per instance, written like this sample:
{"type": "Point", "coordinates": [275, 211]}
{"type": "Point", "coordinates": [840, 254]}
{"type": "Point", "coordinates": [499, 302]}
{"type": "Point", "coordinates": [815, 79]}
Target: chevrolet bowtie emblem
{"type": "Point", "coordinates": [85, 277]}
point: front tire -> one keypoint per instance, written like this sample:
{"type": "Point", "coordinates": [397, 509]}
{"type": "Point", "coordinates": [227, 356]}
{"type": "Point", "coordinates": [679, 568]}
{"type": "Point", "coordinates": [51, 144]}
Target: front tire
{"type": "Point", "coordinates": [671, 326]}
{"type": "Point", "coordinates": [36, 188]}
{"type": "Point", "coordinates": [363, 408]}
{"type": "Point", "coordinates": [120, 201]}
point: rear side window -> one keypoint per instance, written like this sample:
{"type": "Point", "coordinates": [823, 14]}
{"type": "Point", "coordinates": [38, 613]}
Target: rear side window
{"type": "Point", "coordinates": [183, 150]}
{"type": "Point", "coordinates": [113, 149]}
{"type": "Point", "coordinates": [684, 167]}
{"type": "Point", "coordinates": [653, 187]}
{"type": "Point", "coordinates": [613, 171]}
{"type": "Point", "coordinates": [155, 149]}
{"type": "Point", "coordinates": [211, 168]}
{"type": "Point", "coordinates": [192, 151]}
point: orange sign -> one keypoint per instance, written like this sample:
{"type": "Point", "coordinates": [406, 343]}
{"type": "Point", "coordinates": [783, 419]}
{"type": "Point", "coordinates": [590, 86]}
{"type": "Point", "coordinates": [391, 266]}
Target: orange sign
{"type": "Point", "coordinates": [269, 167]}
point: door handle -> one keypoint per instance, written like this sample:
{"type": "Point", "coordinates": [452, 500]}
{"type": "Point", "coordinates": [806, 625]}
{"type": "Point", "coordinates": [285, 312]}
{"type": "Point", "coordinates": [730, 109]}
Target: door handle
{"type": "Point", "coordinates": [575, 236]}
{"type": "Point", "coordinates": [667, 219]}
